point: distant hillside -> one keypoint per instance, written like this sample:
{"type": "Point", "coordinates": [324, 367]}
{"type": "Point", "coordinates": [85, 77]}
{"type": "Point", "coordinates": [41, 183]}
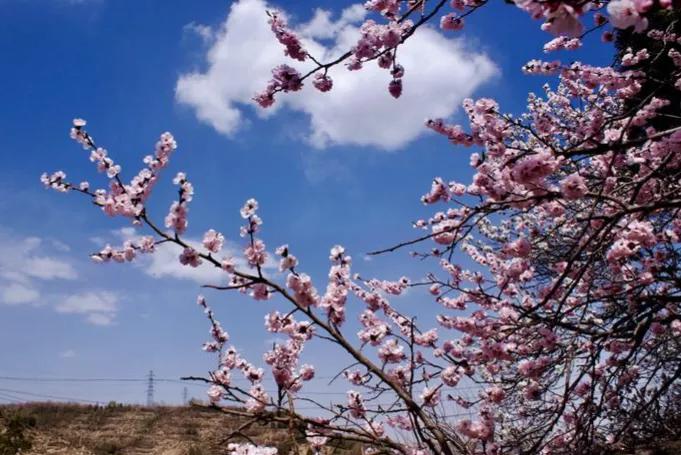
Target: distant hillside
{"type": "Point", "coordinates": [69, 429]}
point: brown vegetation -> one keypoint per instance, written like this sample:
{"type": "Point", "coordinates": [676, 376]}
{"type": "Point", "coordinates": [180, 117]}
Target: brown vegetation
{"type": "Point", "coordinates": [62, 429]}
{"type": "Point", "coordinates": [71, 429]}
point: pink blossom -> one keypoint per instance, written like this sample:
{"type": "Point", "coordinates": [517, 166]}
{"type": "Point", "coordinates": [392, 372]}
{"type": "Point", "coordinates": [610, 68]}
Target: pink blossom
{"type": "Point", "coordinates": [626, 13]}
{"type": "Point", "coordinates": [259, 291]}
{"type": "Point", "coordinates": [430, 397]}
{"type": "Point", "coordinates": [306, 372]}
{"type": "Point", "coordinates": [395, 88]}
{"type": "Point", "coordinates": [495, 394]}
{"type": "Point", "coordinates": [177, 217]}
{"type": "Point", "coordinates": [304, 292]}
{"type": "Point", "coordinates": [215, 393]}
{"type": "Point", "coordinates": [450, 376]}
{"type": "Point", "coordinates": [428, 338]}
{"type": "Point", "coordinates": [322, 82]}
{"type": "Point", "coordinates": [355, 377]}
{"type": "Point", "coordinates": [388, 8]}
{"type": "Point", "coordinates": [451, 22]}
{"type": "Point", "coordinates": [521, 247]}
{"type": "Point", "coordinates": [399, 421]}
{"type": "Point", "coordinates": [286, 78]}
{"type": "Point", "coordinates": [562, 43]}
{"type": "Point", "coordinates": [288, 261]}
{"type": "Point", "coordinates": [391, 351]}
{"type": "Point", "coordinates": [255, 253]}
{"type": "Point", "coordinates": [213, 241]}
{"type": "Point", "coordinates": [293, 47]}
{"type": "Point", "coordinates": [573, 186]}
{"type": "Point", "coordinates": [55, 181]}
{"type": "Point", "coordinates": [356, 404]}
{"type": "Point", "coordinates": [264, 99]}
{"type": "Point", "coordinates": [227, 265]}
{"type": "Point", "coordinates": [531, 170]}
{"type": "Point", "coordinates": [190, 257]}
{"type": "Point", "coordinates": [563, 20]}
{"type": "Point", "coordinates": [249, 208]}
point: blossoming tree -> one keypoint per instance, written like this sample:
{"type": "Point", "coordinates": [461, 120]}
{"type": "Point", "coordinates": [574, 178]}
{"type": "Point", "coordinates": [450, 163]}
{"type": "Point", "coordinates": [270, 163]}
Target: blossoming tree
{"type": "Point", "coordinates": [570, 319]}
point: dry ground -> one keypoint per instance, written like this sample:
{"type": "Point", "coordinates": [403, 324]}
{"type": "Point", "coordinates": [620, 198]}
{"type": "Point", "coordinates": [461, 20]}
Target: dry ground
{"type": "Point", "coordinates": [69, 429]}
{"type": "Point", "coordinates": [65, 429]}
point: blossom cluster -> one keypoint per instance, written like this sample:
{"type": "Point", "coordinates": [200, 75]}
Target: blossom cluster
{"type": "Point", "coordinates": [379, 41]}
{"type": "Point", "coordinates": [121, 199]}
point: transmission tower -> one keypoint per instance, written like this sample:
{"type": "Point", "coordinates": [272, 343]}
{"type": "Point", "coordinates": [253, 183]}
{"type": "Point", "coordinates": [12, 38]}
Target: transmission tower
{"type": "Point", "coordinates": [184, 396]}
{"type": "Point", "coordinates": [150, 388]}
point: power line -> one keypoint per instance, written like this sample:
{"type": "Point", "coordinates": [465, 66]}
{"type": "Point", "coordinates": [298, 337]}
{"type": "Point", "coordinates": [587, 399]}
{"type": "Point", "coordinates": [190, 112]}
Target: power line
{"type": "Point", "coordinates": [157, 379]}
{"type": "Point", "coordinates": [35, 379]}
{"type": "Point", "coordinates": [152, 380]}
{"type": "Point", "coordinates": [10, 398]}
{"type": "Point", "coordinates": [55, 397]}
{"type": "Point", "coordinates": [147, 380]}
{"type": "Point", "coordinates": [67, 379]}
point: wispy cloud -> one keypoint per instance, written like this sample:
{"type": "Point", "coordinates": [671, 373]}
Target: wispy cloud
{"type": "Point", "coordinates": [440, 72]}
{"type": "Point", "coordinates": [26, 263]}
{"type": "Point", "coordinates": [17, 293]}
{"type": "Point", "coordinates": [204, 32]}
{"type": "Point", "coordinates": [98, 307]}
{"type": "Point", "coordinates": [67, 354]}
{"type": "Point", "coordinates": [28, 266]}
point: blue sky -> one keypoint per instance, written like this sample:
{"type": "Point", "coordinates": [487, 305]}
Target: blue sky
{"type": "Point", "coordinates": [346, 169]}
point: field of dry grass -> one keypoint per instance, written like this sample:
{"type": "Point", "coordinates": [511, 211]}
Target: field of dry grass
{"type": "Point", "coordinates": [70, 429]}
{"type": "Point", "coordinates": [65, 429]}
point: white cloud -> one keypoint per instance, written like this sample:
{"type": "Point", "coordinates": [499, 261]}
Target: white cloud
{"type": "Point", "coordinates": [49, 268]}
{"type": "Point", "coordinates": [98, 307]}
{"type": "Point", "coordinates": [21, 259]}
{"type": "Point", "coordinates": [16, 293]}
{"type": "Point", "coordinates": [25, 263]}
{"type": "Point", "coordinates": [440, 72]}
{"type": "Point", "coordinates": [61, 246]}
{"type": "Point", "coordinates": [100, 318]}
{"type": "Point", "coordinates": [202, 31]}
{"type": "Point", "coordinates": [68, 354]}
{"type": "Point", "coordinates": [322, 26]}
